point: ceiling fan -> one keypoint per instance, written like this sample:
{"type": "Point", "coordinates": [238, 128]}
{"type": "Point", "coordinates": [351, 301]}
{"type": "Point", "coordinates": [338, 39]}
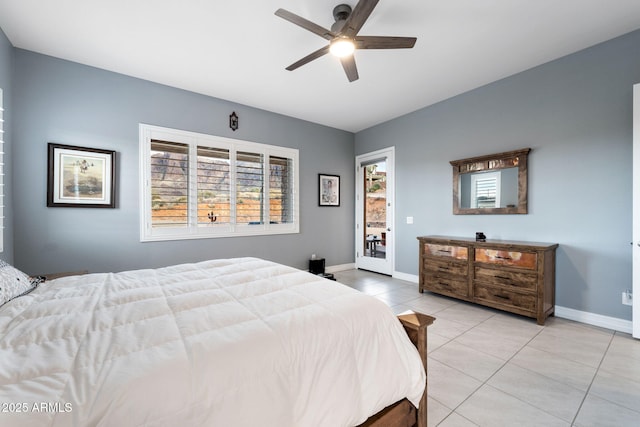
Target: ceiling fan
{"type": "Point", "coordinates": [343, 36]}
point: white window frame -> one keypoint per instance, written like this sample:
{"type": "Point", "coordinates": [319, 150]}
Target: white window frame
{"type": "Point", "coordinates": [1, 172]}
{"type": "Point", "coordinates": [200, 231]}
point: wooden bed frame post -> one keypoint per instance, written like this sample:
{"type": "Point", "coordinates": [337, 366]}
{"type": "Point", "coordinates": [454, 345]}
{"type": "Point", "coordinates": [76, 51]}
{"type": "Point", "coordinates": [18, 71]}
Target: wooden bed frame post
{"type": "Point", "coordinates": [416, 326]}
{"type": "Point", "coordinates": [403, 413]}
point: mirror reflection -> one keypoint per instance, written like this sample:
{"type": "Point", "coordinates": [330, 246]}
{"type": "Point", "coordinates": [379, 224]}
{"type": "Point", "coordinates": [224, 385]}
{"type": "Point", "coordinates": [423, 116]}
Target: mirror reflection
{"type": "Point", "coordinates": [493, 184]}
{"type": "Point", "coordinates": [489, 189]}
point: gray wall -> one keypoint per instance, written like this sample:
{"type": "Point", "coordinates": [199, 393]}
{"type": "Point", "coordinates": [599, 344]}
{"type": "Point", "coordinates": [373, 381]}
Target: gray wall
{"type": "Point", "coordinates": [6, 67]}
{"type": "Point", "coordinates": [64, 102]}
{"type": "Point", "coordinates": [576, 115]}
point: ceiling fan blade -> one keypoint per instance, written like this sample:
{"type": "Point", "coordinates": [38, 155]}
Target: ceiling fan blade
{"type": "Point", "coordinates": [383, 42]}
{"type": "Point", "coordinates": [314, 55]}
{"type": "Point", "coordinates": [349, 65]}
{"type": "Point", "coordinates": [305, 23]}
{"type": "Point", "coordinates": [358, 17]}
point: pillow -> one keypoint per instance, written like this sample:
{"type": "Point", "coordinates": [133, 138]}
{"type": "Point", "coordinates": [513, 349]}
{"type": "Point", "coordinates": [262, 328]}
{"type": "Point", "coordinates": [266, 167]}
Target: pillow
{"type": "Point", "coordinates": [14, 283]}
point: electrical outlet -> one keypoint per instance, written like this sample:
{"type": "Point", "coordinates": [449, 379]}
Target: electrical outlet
{"type": "Point", "coordinates": [627, 297]}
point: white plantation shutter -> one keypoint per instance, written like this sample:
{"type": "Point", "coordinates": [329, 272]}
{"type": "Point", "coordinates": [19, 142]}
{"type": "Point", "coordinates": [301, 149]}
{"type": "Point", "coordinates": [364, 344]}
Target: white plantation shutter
{"type": "Point", "coordinates": [249, 188]}
{"type": "Point", "coordinates": [280, 184]}
{"type": "Point", "coordinates": [485, 190]}
{"type": "Point", "coordinates": [214, 186]}
{"type": "Point", "coordinates": [199, 186]}
{"type": "Point", "coordinates": [169, 183]}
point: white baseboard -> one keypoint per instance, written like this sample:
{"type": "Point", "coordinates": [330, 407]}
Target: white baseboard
{"type": "Point", "coordinates": [613, 323]}
{"type": "Point", "coordinates": [396, 274]}
{"type": "Point", "coordinates": [405, 276]}
{"type": "Point", "coordinates": [339, 267]}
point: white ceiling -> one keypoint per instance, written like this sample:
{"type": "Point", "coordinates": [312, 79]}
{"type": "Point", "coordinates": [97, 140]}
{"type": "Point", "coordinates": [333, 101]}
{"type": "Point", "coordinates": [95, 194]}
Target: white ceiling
{"type": "Point", "coordinates": [238, 49]}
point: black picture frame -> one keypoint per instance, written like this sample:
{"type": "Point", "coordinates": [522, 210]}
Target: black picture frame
{"type": "Point", "coordinates": [328, 190]}
{"type": "Point", "coordinates": [80, 177]}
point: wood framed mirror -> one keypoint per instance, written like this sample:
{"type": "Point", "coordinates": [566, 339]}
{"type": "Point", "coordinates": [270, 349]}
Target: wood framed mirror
{"type": "Point", "coordinates": [492, 184]}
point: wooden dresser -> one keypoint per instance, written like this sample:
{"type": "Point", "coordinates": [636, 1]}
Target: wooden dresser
{"type": "Point", "coordinates": [518, 277]}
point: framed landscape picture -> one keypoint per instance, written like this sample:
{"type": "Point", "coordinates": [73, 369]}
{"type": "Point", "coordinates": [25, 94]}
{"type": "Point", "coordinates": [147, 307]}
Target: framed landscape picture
{"type": "Point", "coordinates": [329, 190]}
{"type": "Point", "coordinates": [80, 177]}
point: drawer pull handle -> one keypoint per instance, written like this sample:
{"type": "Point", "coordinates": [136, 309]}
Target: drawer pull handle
{"type": "Point", "coordinates": [502, 297]}
{"type": "Point", "coordinates": [444, 251]}
{"type": "Point", "coordinates": [444, 284]}
{"type": "Point", "coordinates": [506, 258]}
{"type": "Point", "coordinates": [443, 268]}
{"type": "Point", "coordinates": [502, 277]}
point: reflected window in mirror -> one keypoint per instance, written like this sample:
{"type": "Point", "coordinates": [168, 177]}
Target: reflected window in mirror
{"type": "Point", "coordinates": [493, 184]}
{"type": "Point", "coordinates": [485, 190]}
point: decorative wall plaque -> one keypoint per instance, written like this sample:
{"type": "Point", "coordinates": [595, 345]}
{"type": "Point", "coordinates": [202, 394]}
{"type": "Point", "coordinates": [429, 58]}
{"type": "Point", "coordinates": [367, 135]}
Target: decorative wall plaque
{"type": "Point", "coordinates": [233, 121]}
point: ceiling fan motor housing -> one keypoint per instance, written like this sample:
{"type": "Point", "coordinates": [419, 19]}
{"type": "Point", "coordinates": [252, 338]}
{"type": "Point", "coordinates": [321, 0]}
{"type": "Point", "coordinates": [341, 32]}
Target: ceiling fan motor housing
{"type": "Point", "coordinates": [340, 13]}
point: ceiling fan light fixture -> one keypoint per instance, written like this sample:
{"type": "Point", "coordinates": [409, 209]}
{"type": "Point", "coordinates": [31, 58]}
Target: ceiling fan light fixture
{"type": "Point", "coordinates": [343, 36]}
{"type": "Point", "coordinates": [342, 46]}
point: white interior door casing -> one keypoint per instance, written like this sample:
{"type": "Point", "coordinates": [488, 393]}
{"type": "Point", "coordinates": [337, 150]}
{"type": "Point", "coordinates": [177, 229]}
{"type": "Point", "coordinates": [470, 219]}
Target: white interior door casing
{"type": "Point", "coordinates": [364, 260]}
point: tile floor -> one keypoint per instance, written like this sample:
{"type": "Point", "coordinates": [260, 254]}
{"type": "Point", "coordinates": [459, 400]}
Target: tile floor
{"type": "Point", "coordinates": [489, 368]}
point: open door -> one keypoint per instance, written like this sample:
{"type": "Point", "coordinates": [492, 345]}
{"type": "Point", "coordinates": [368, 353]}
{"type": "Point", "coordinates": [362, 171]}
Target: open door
{"type": "Point", "coordinates": [374, 211]}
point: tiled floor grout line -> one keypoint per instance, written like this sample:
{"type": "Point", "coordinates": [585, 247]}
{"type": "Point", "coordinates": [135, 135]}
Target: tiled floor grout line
{"type": "Point", "coordinates": [586, 392]}
{"type": "Point", "coordinates": [516, 397]}
{"type": "Point", "coordinates": [482, 382]}
{"type": "Point", "coordinates": [453, 411]}
{"type": "Point", "coordinates": [485, 382]}
{"type": "Point", "coordinates": [595, 374]}
{"type": "Point", "coordinates": [506, 362]}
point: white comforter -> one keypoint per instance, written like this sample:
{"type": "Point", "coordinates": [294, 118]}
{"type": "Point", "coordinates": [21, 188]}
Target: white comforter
{"type": "Point", "coordinates": [241, 342]}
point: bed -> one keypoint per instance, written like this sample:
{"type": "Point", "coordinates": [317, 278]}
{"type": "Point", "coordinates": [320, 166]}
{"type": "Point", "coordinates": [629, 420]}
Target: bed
{"type": "Point", "coordinates": [236, 342]}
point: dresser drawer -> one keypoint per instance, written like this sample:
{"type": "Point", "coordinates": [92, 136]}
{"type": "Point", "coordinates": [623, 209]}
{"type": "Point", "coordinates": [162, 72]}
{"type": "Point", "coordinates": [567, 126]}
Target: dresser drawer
{"type": "Point", "coordinates": [505, 297]}
{"type": "Point", "coordinates": [445, 266]}
{"type": "Point", "coordinates": [445, 284]}
{"type": "Point", "coordinates": [512, 279]}
{"type": "Point", "coordinates": [448, 251]}
{"type": "Point", "coordinates": [526, 260]}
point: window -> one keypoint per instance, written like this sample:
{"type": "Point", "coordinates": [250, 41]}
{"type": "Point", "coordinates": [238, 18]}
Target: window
{"type": "Point", "coordinates": [203, 186]}
{"type": "Point", "coordinates": [1, 174]}
{"type": "Point", "coordinates": [485, 190]}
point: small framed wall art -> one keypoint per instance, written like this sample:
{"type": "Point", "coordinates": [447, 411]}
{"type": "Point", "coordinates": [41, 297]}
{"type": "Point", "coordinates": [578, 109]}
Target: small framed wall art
{"type": "Point", "coordinates": [80, 177]}
{"type": "Point", "coordinates": [329, 190]}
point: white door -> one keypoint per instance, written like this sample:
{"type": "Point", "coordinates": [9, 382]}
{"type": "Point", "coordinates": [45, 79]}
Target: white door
{"type": "Point", "coordinates": [636, 211]}
{"type": "Point", "coordinates": [374, 211]}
